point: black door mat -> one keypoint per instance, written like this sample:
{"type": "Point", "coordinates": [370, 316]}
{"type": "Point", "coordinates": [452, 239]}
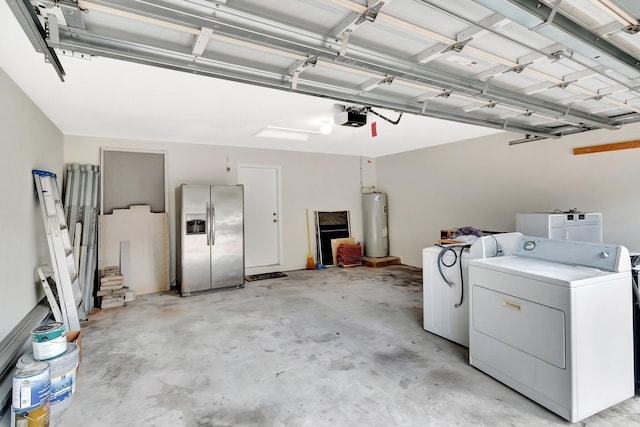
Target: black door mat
{"type": "Point", "coordinates": [264, 276]}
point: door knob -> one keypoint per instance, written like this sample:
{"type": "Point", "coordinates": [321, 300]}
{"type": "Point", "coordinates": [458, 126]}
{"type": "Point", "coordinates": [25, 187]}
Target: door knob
{"type": "Point", "coordinates": [275, 220]}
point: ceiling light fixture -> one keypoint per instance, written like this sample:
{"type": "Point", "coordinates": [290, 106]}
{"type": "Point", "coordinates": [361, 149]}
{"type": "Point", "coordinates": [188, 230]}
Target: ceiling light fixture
{"type": "Point", "coordinates": [282, 133]}
{"type": "Point", "coordinates": [326, 128]}
{"type": "Point", "coordinates": [294, 134]}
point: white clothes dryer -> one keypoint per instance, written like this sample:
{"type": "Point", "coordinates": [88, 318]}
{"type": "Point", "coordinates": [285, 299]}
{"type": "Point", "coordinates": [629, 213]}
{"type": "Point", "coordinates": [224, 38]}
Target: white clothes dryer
{"type": "Point", "coordinates": [445, 283]}
{"type": "Point", "coordinates": [554, 322]}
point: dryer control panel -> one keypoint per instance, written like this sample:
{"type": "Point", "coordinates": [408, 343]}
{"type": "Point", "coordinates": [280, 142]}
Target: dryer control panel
{"type": "Point", "coordinates": [595, 255]}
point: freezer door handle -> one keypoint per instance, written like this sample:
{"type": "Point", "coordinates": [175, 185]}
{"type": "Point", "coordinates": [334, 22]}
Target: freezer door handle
{"type": "Point", "coordinates": [208, 220]}
{"type": "Point", "coordinates": [213, 225]}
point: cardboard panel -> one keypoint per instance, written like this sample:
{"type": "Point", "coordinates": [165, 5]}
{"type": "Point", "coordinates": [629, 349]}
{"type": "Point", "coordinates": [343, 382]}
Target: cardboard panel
{"type": "Point", "coordinates": [147, 237]}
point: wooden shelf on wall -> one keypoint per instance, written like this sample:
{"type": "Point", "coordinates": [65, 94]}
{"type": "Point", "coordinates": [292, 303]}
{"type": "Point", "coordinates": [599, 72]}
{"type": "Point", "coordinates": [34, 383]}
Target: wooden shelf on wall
{"type": "Point", "coordinates": [606, 147]}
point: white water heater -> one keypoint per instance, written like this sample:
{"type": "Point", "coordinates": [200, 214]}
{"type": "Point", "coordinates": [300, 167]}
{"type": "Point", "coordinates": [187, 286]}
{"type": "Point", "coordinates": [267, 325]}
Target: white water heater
{"type": "Point", "coordinates": [376, 236]}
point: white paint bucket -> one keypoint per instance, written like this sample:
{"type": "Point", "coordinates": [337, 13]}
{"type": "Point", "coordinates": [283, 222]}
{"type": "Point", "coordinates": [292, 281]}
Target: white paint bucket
{"type": "Point", "coordinates": [63, 376]}
{"type": "Point", "coordinates": [31, 385]}
{"type": "Point", "coordinates": [48, 341]}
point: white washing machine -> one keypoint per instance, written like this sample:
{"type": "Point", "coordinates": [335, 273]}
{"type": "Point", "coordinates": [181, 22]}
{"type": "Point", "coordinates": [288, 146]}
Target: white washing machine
{"type": "Point", "coordinates": [554, 322]}
{"type": "Point", "coordinates": [445, 283]}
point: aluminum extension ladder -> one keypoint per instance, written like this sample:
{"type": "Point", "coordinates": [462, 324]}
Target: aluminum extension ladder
{"type": "Point", "coordinates": [48, 284]}
{"type": "Point", "coordinates": [62, 257]}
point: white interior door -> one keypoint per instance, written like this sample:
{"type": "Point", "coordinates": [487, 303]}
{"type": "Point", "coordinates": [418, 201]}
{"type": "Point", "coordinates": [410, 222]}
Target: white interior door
{"type": "Point", "coordinates": [261, 215]}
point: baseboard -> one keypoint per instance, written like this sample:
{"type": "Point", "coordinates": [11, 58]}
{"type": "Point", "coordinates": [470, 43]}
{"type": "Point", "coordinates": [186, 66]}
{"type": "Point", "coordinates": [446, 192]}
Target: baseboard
{"type": "Point", "coordinates": [13, 346]}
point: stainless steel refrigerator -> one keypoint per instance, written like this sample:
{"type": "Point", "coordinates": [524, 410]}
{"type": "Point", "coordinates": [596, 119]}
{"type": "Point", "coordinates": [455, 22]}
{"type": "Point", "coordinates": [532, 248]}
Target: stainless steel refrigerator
{"type": "Point", "coordinates": [211, 252]}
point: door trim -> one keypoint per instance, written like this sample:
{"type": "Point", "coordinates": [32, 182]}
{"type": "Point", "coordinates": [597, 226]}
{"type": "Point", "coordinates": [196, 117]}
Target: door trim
{"type": "Point", "coordinates": [278, 169]}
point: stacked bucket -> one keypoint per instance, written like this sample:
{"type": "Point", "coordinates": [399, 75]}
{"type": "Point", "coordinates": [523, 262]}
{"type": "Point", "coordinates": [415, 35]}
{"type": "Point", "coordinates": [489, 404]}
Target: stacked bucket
{"type": "Point", "coordinates": [31, 396]}
{"type": "Point", "coordinates": [45, 379]}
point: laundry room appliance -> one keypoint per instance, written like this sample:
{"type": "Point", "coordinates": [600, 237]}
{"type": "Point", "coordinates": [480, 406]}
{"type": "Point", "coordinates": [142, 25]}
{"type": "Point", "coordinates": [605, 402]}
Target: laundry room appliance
{"type": "Point", "coordinates": [553, 321]}
{"type": "Point", "coordinates": [635, 270]}
{"type": "Point", "coordinates": [211, 246]}
{"type": "Point", "coordinates": [581, 226]}
{"type": "Point", "coordinates": [445, 283]}
{"type": "Point", "coordinates": [376, 236]}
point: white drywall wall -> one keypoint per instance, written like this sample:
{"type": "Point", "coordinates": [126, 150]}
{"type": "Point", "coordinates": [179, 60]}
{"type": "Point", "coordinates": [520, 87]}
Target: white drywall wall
{"type": "Point", "coordinates": [368, 174]}
{"type": "Point", "coordinates": [323, 182]}
{"type": "Point", "coordinates": [29, 141]}
{"type": "Point", "coordinates": [484, 182]}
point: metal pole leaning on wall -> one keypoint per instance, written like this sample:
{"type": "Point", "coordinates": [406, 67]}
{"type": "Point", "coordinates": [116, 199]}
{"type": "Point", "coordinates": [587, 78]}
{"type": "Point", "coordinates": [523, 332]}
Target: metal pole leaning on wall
{"type": "Point", "coordinates": [89, 237]}
{"type": "Point", "coordinates": [82, 195]}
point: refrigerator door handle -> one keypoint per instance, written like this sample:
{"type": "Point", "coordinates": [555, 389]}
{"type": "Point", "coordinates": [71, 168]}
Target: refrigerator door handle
{"type": "Point", "coordinates": [208, 220]}
{"type": "Point", "coordinates": [213, 224]}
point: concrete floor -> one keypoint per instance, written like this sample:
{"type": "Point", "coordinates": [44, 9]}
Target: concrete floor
{"type": "Point", "coordinates": [335, 347]}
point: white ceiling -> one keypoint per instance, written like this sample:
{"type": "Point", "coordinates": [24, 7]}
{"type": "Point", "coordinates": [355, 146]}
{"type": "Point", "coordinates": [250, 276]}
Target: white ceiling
{"type": "Point", "coordinates": [116, 99]}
